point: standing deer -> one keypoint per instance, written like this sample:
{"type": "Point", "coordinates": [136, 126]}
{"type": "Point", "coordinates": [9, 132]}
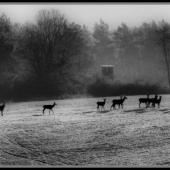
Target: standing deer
{"type": "Point", "coordinates": [101, 104]}
{"type": "Point", "coordinates": [2, 108]}
{"type": "Point", "coordinates": [151, 99]}
{"type": "Point", "coordinates": [144, 100]}
{"type": "Point", "coordinates": [118, 102]}
{"type": "Point", "coordinates": [50, 107]}
{"type": "Point", "coordinates": [156, 101]}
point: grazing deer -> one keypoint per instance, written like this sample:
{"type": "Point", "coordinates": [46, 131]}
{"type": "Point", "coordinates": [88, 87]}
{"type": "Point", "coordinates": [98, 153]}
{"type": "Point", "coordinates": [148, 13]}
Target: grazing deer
{"type": "Point", "coordinates": [101, 104]}
{"type": "Point", "coordinates": [157, 101]}
{"type": "Point", "coordinates": [118, 102]}
{"type": "Point", "coordinates": [50, 107]}
{"type": "Point", "coordinates": [150, 100]}
{"type": "Point", "coordinates": [2, 108]}
{"type": "Point", "coordinates": [144, 100]}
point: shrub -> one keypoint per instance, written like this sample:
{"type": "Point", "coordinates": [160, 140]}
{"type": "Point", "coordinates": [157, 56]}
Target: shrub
{"type": "Point", "coordinates": [103, 87]}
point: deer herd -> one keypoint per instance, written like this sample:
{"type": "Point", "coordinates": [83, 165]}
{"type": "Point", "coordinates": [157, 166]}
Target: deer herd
{"type": "Point", "coordinates": [147, 101]}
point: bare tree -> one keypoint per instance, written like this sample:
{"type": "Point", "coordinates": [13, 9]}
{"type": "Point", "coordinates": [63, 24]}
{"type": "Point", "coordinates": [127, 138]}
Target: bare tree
{"type": "Point", "coordinates": [53, 49]}
{"type": "Point", "coordinates": [163, 40]}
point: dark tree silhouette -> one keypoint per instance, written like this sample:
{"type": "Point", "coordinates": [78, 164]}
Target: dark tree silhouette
{"type": "Point", "coordinates": [163, 40]}
{"type": "Point", "coordinates": [53, 51]}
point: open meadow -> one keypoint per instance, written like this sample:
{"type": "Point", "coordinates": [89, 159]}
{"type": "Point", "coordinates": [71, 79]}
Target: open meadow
{"type": "Point", "coordinates": [79, 135]}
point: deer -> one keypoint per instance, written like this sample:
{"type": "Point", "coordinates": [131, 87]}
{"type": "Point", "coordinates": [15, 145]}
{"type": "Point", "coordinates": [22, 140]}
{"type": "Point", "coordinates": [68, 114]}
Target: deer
{"type": "Point", "coordinates": [50, 107]}
{"type": "Point", "coordinates": [2, 108]}
{"type": "Point", "coordinates": [101, 104]}
{"type": "Point", "coordinates": [144, 100]}
{"type": "Point", "coordinates": [118, 102]}
{"type": "Point", "coordinates": [150, 100]}
{"type": "Point", "coordinates": [156, 101]}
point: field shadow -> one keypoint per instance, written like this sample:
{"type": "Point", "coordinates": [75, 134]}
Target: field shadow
{"type": "Point", "coordinates": [103, 111]}
{"type": "Point", "coordinates": [164, 111]}
{"type": "Point", "coordinates": [37, 115]}
{"type": "Point", "coordinates": [144, 110]}
{"type": "Point", "coordinates": [116, 109]}
{"type": "Point", "coordinates": [139, 110]}
{"type": "Point", "coordinates": [89, 112]}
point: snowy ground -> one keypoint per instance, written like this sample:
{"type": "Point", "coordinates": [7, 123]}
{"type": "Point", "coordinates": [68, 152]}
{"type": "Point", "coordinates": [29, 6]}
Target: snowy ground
{"type": "Point", "coordinates": [79, 135]}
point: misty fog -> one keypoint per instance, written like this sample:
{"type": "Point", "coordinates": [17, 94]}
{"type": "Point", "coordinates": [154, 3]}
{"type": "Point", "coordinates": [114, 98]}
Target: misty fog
{"type": "Point", "coordinates": [56, 58]}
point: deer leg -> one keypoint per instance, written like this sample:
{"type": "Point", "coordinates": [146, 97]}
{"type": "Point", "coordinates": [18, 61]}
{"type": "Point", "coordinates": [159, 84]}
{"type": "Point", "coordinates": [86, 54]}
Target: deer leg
{"type": "Point", "coordinates": [111, 107]}
{"type": "Point", "coordinates": [153, 104]}
{"type": "Point", "coordinates": [1, 113]}
{"type": "Point", "coordinates": [43, 110]}
{"type": "Point", "coordinates": [158, 104]}
{"type": "Point", "coordinates": [49, 111]}
{"type": "Point", "coordinates": [139, 105]}
{"type": "Point", "coordinates": [146, 105]}
{"type": "Point", "coordinates": [53, 111]}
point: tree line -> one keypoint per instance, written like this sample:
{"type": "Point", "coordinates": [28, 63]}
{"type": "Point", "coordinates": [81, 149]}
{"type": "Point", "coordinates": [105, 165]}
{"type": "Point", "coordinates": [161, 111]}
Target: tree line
{"type": "Point", "coordinates": [52, 57]}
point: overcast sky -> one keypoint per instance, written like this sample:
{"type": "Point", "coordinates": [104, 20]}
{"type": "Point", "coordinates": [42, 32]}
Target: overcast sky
{"type": "Point", "coordinates": [133, 14]}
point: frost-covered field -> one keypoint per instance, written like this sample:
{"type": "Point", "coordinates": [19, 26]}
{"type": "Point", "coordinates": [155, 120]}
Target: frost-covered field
{"type": "Point", "coordinates": [79, 135]}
